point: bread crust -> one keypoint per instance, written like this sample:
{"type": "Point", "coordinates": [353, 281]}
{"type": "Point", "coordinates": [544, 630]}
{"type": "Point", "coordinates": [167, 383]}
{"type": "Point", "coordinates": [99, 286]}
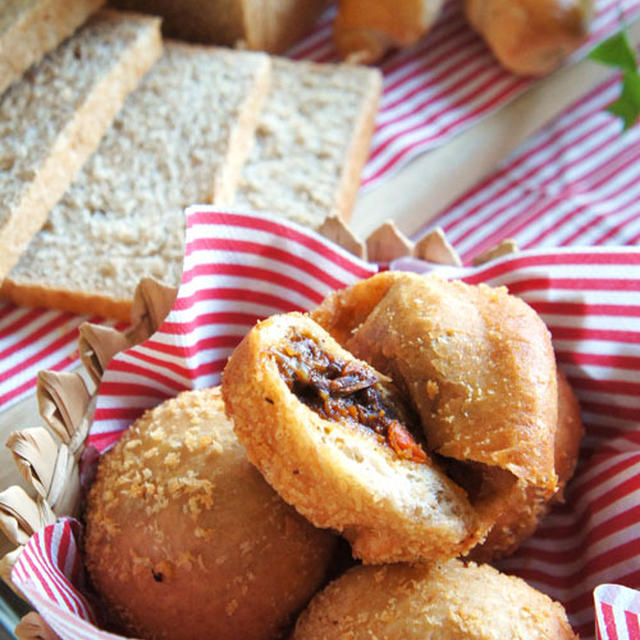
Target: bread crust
{"type": "Point", "coordinates": [36, 27]}
{"type": "Point", "coordinates": [526, 506]}
{"type": "Point", "coordinates": [447, 601]}
{"type": "Point", "coordinates": [184, 538]}
{"type": "Point", "coordinates": [263, 26]}
{"type": "Point", "coordinates": [336, 472]}
{"type": "Point", "coordinates": [32, 295]}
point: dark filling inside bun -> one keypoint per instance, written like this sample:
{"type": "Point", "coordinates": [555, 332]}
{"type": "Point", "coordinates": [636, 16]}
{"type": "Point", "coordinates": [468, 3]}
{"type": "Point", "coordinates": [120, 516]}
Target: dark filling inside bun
{"type": "Point", "coordinates": [339, 389]}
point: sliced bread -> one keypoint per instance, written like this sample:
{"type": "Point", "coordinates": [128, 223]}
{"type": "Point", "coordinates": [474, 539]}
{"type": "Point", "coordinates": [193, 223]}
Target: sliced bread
{"type": "Point", "coordinates": [311, 142]}
{"type": "Point", "coordinates": [180, 138]}
{"type": "Point", "coordinates": [52, 120]}
{"type": "Point", "coordinates": [31, 28]}
{"type": "Point", "coordinates": [263, 26]}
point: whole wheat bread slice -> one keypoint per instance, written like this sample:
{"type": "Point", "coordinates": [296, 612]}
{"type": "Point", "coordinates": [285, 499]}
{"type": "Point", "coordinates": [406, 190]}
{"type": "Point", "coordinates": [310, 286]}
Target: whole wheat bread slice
{"type": "Point", "coordinates": [180, 138]}
{"type": "Point", "coordinates": [31, 28]}
{"type": "Point", "coordinates": [312, 141]}
{"type": "Point", "coordinates": [52, 120]}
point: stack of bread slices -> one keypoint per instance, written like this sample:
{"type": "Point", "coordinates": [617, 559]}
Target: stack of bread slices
{"type": "Point", "coordinates": [108, 134]}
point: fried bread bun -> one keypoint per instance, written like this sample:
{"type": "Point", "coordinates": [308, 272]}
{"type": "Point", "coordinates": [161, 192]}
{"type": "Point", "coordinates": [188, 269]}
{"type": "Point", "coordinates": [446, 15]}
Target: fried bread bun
{"type": "Point", "coordinates": [478, 365]}
{"type": "Point", "coordinates": [447, 601]}
{"type": "Point", "coordinates": [186, 540]}
{"type": "Point", "coordinates": [332, 436]}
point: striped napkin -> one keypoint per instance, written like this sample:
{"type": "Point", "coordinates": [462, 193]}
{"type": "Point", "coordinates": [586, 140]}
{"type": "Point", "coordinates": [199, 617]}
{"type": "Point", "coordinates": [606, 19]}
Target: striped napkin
{"type": "Point", "coordinates": [566, 178]}
{"type": "Point", "coordinates": [241, 267]}
{"type": "Point", "coordinates": [617, 612]}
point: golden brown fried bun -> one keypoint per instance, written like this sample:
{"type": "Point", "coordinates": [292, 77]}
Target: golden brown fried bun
{"type": "Point", "coordinates": [441, 601]}
{"type": "Point", "coordinates": [333, 437]}
{"type": "Point", "coordinates": [526, 505]}
{"type": "Point", "coordinates": [477, 363]}
{"type": "Point", "coordinates": [184, 538]}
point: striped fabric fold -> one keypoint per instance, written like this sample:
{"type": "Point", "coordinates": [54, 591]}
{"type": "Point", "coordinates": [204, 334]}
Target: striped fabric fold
{"type": "Point", "coordinates": [590, 299]}
{"type": "Point", "coordinates": [238, 269]}
{"type": "Point", "coordinates": [617, 612]}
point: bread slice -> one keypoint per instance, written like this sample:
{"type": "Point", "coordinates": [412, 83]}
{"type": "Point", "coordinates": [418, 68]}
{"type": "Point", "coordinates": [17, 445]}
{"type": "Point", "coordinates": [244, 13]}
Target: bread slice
{"type": "Point", "coordinates": [53, 119]}
{"type": "Point", "coordinates": [263, 26]}
{"type": "Point", "coordinates": [31, 28]}
{"type": "Point", "coordinates": [180, 139]}
{"type": "Point", "coordinates": [312, 141]}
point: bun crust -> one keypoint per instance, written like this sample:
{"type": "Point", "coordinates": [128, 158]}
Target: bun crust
{"type": "Point", "coordinates": [448, 601]}
{"type": "Point", "coordinates": [531, 37]}
{"type": "Point", "coordinates": [186, 540]}
{"type": "Point", "coordinates": [526, 506]}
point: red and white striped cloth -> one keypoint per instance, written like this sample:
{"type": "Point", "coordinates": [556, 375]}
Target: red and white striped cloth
{"type": "Point", "coordinates": [240, 267]}
{"type": "Point", "coordinates": [617, 612]}
{"type": "Point", "coordinates": [432, 92]}
{"type": "Point", "coordinates": [576, 182]}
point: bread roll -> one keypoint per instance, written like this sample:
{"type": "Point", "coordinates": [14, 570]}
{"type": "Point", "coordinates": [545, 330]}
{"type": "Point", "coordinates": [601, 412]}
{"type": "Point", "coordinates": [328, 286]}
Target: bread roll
{"type": "Point", "coordinates": [448, 601]}
{"type": "Point", "coordinates": [531, 37]}
{"type": "Point", "coordinates": [477, 363]}
{"type": "Point", "coordinates": [185, 539]}
{"type": "Point", "coordinates": [526, 505]}
{"type": "Point", "coordinates": [364, 30]}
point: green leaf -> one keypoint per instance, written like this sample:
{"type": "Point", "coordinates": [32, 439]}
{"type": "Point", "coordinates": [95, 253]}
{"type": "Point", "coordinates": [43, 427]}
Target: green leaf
{"type": "Point", "coordinates": [616, 51]}
{"type": "Point", "coordinates": [627, 106]}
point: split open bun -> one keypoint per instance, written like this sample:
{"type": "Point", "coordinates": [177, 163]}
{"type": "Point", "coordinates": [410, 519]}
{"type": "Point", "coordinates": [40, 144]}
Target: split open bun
{"type": "Point", "coordinates": [473, 369]}
{"type": "Point", "coordinates": [447, 601]}
{"type": "Point", "coordinates": [391, 504]}
{"type": "Point", "coordinates": [186, 540]}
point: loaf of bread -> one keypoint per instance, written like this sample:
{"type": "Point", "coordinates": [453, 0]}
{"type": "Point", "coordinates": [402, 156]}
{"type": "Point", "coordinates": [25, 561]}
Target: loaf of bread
{"type": "Point", "coordinates": [312, 141]}
{"type": "Point", "coordinates": [53, 119]}
{"type": "Point", "coordinates": [31, 28]}
{"type": "Point", "coordinates": [180, 138]}
{"type": "Point", "coordinates": [263, 26]}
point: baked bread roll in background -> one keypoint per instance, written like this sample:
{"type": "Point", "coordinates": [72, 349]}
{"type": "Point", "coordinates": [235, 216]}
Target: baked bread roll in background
{"type": "Point", "coordinates": [364, 30]}
{"type": "Point", "coordinates": [185, 539]}
{"type": "Point", "coordinates": [448, 601]}
{"type": "Point", "coordinates": [531, 37]}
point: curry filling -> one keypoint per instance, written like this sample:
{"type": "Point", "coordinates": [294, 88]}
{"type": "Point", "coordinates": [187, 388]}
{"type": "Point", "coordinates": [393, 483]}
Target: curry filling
{"type": "Point", "coordinates": [351, 390]}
